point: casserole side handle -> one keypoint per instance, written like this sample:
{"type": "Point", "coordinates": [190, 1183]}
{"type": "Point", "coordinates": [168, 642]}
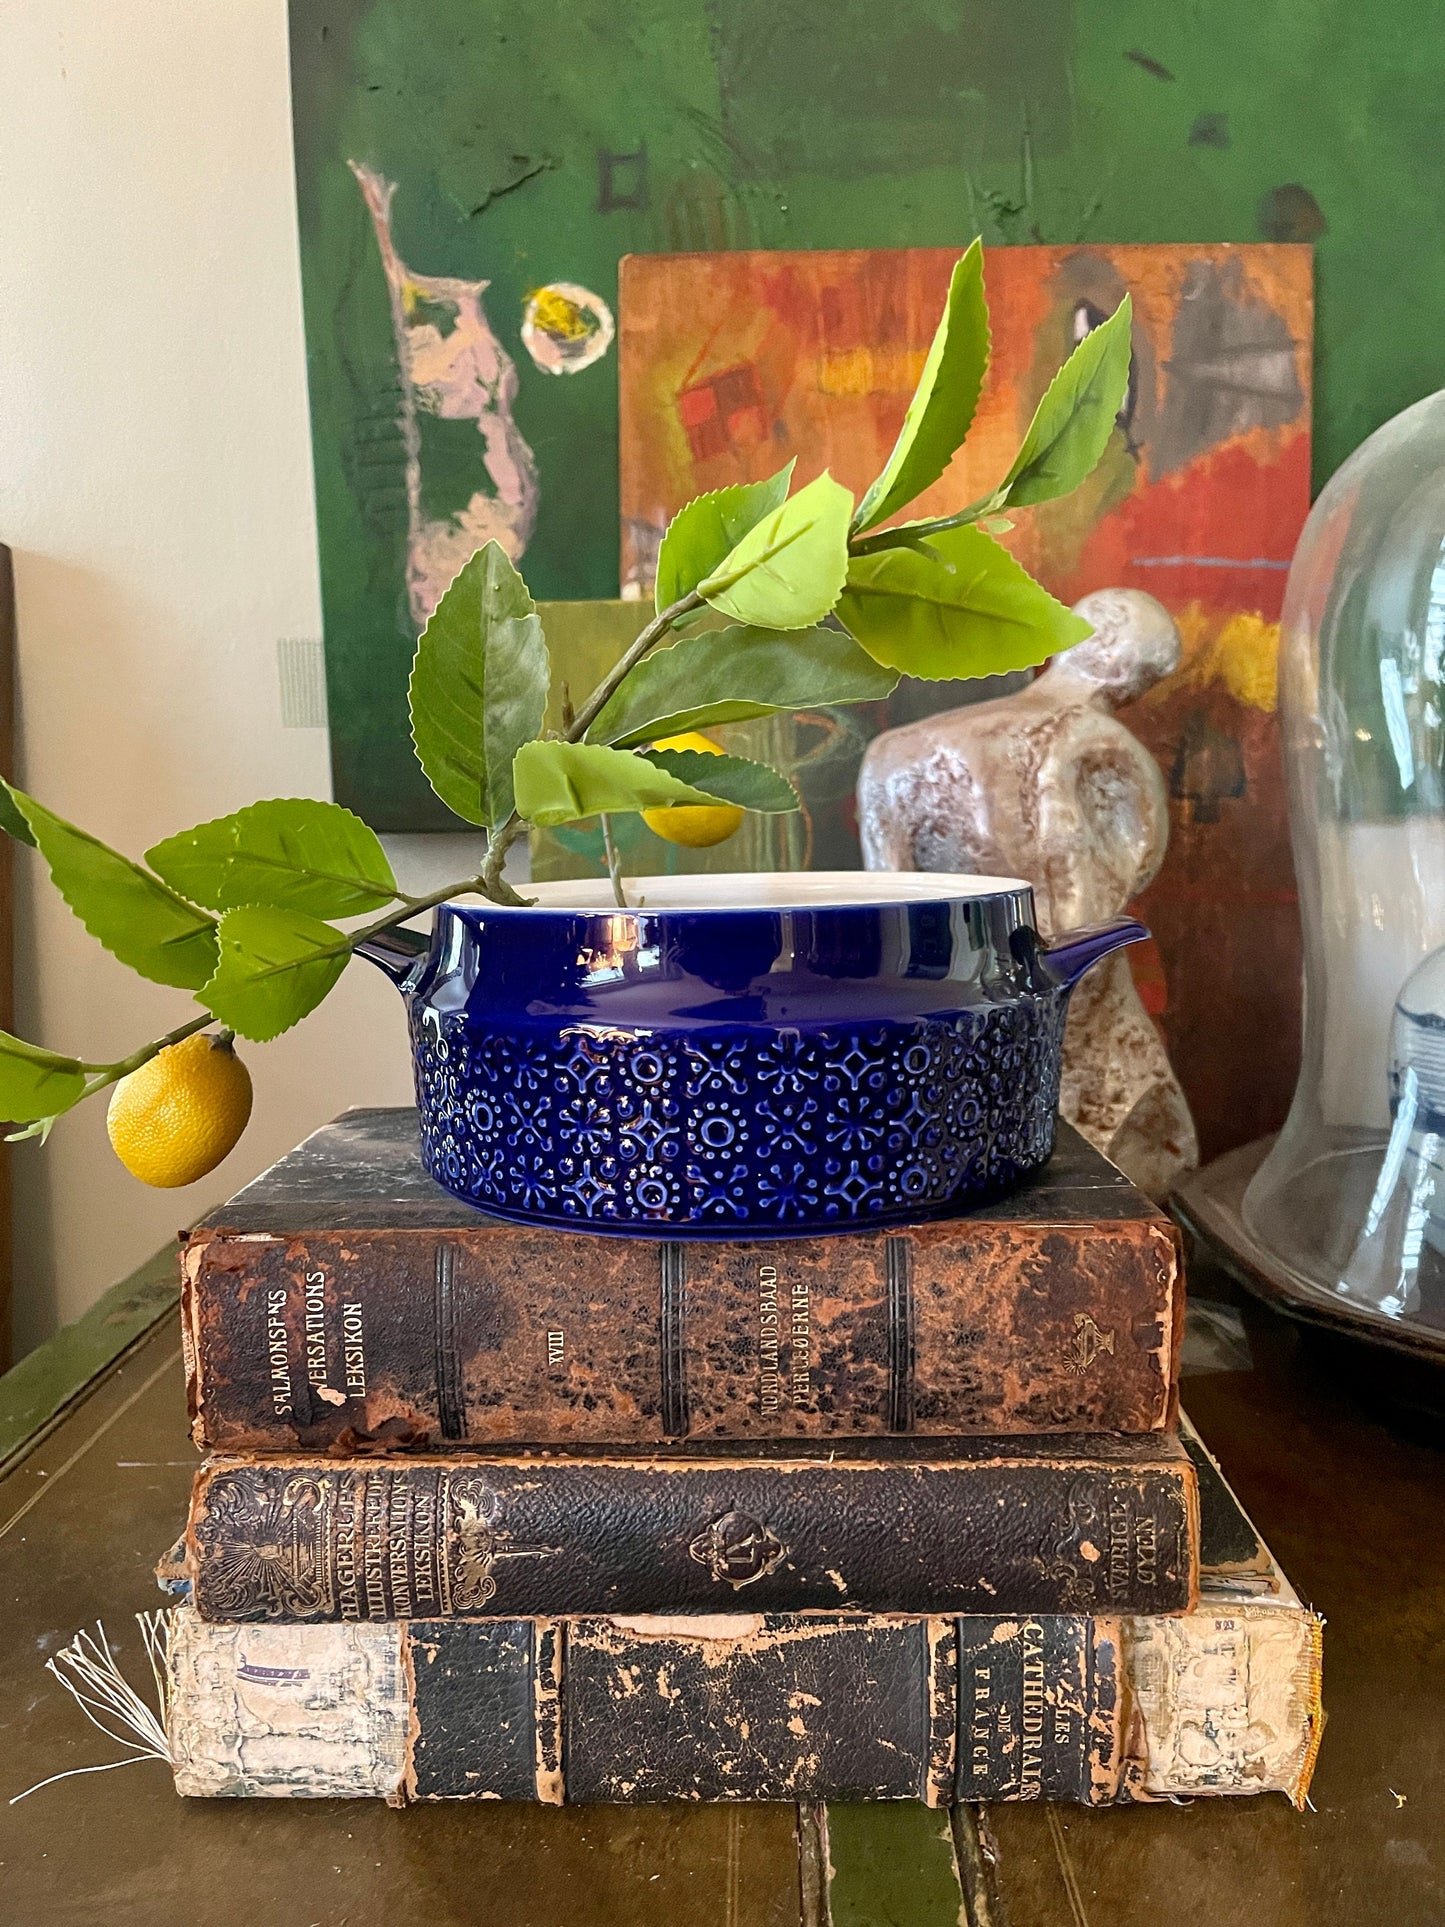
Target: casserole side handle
{"type": "Point", "coordinates": [398, 952]}
{"type": "Point", "coordinates": [1069, 956]}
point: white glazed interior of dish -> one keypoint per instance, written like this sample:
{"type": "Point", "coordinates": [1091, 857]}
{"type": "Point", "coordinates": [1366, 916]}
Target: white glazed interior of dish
{"type": "Point", "coordinates": [773, 890]}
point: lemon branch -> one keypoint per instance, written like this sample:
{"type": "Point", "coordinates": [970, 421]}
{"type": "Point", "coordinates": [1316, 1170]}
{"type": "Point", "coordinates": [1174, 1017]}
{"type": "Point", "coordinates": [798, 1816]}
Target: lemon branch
{"type": "Point", "coordinates": [491, 882]}
{"type": "Point", "coordinates": [614, 862]}
{"type": "Point", "coordinates": [102, 1074]}
{"type": "Point", "coordinates": [488, 881]}
{"type": "Point", "coordinates": [99, 1076]}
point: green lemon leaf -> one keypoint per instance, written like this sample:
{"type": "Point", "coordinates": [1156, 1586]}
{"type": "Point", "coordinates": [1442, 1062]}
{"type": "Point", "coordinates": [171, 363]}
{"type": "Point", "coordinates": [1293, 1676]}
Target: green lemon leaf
{"type": "Point", "coordinates": [788, 570]}
{"type": "Point", "coordinates": [941, 411]}
{"type": "Point", "coordinates": [732, 675]}
{"type": "Point", "coordinates": [11, 821]}
{"type": "Point", "coordinates": [731, 779]}
{"type": "Point", "coordinates": [965, 608]}
{"type": "Point", "coordinates": [565, 782]}
{"type": "Point", "coordinates": [275, 967]}
{"type": "Point", "coordinates": [479, 687]}
{"type": "Point", "coordinates": [137, 917]}
{"type": "Point", "coordinates": [36, 1083]}
{"type": "Point", "coordinates": [292, 851]}
{"type": "Point", "coordinates": [913, 535]}
{"type": "Point", "coordinates": [1072, 424]}
{"type": "Point", "coordinates": [705, 533]}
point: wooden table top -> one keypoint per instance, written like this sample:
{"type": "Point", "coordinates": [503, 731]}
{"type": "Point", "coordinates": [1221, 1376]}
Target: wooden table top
{"type": "Point", "coordinates": [1351, 1507]}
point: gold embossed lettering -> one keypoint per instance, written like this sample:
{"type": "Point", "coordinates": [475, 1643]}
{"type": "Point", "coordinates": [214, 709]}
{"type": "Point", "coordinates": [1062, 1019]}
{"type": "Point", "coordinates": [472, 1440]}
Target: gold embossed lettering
{"type": "Point", "coordinates": [316, 1327]}
{"type": "Point", "coordinates": [1121, 1556]}
{"type": "Point", "coordinates": [1031, 1755]}
{"type": "Point", "coordinates": [424, 1548]}
{"type": "Point", "coordinates": [769, 1383]}
{"type": "Point", "coordinates": [278, 1357]}
{"type": "Point", "coordinates": [353, 1349]}
{"type": "Point", "coordinates": [1146, 1551]}
{"type": "Point", "coordinates": [979, 1750]}
{"type": "Point", "coordinates": [800, 1381]}
{"type": "Point", "coordinates": [375, 1510]}
{"type": "Point", "coordinates": [348, 1603]}
{"type": "Point", "coordinates": [399, 1539]}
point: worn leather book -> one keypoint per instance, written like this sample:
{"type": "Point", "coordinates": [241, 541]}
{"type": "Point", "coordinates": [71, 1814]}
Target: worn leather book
{"type": "Point", "coordinates": [937, 1525]}
{"type": "Point", "coordinates": [344, 1301]}
{"type": "Point", "coordinates": [835, 1706]}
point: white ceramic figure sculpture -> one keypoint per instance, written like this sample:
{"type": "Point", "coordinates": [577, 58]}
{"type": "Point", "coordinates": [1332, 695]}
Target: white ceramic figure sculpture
{"type": "Point", "coordinates": [1049, 785]}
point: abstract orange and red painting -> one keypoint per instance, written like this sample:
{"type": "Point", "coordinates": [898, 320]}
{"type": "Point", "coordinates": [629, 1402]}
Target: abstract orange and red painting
{"type": "Point", "coordinates": [732, 363]}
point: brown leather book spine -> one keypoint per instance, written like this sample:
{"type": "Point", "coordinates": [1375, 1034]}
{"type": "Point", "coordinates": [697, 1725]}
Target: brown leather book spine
{"type": "Point", "coordinates": [924, 1529]}
{"type": "Point", "coordinates": [339, 1341]}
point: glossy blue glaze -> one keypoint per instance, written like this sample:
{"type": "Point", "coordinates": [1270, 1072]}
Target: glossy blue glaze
{"type": "Point", "coordinates": [732, 1072]}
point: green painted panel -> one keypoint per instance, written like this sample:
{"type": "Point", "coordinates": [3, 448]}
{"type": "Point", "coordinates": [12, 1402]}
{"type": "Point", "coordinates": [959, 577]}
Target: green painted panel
{"type": "Point", "coordinates": [892, 1865]}
{"type": "Point", "coordinates": [535, 144]}
{"type": "Point", "coordinates": [34, 1393]}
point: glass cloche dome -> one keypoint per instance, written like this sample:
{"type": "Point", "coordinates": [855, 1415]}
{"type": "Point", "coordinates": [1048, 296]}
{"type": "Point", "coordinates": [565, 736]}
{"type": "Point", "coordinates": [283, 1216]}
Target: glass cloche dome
{"type": "Point", "coordinates": [1351, 1199]}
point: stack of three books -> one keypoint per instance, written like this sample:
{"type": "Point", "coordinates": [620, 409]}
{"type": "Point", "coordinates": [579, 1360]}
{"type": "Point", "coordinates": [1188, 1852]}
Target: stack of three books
{"type": "Point", "coordinates": [521, 1514]}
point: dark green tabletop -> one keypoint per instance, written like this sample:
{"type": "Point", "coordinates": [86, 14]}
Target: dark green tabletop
{"type": "Point", "coordinates": [1351, 1507]}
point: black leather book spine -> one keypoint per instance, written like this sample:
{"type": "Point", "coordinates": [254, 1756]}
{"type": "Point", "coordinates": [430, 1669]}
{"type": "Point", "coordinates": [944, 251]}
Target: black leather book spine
{"type": "Point", "coordinates": [757, 1708]}
{"type": "Point", "coordinates": [772, 1708]}
{"type": "Point", "coordinates": [631, 1711]}
{"type": "Point", "coordinates": [404, 1539]}
{"type": "Point", "coordinates": [1038, 1708]}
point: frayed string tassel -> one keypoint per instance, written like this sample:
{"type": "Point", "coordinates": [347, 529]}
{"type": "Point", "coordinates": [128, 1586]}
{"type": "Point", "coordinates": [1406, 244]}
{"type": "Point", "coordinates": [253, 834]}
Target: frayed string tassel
{"type": "Point", "coordinates": [86, 1668]}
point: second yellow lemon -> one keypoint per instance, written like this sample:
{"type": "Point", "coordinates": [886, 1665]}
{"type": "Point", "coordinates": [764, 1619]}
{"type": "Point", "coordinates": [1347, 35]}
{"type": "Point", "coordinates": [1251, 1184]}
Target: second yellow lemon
{"type": "Point", "coordinates": [695, 824]}
{"type": "Point", "coordinates": [174, 1119]}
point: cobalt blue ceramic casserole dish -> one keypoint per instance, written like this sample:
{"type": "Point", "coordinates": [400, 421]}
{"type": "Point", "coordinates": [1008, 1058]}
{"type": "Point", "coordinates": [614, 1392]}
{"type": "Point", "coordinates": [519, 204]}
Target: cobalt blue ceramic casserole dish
{"type": "Point", "coordinates": [739, 1055]}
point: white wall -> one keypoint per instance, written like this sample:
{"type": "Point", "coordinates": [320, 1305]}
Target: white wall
{"type": "Point", "coordinates": [155, 484]}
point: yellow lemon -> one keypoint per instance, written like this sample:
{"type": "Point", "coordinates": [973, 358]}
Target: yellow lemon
{"type": "Point", "coordinates": [695, 824]}
{"type": "Point", "coordinates": [177, 1116]}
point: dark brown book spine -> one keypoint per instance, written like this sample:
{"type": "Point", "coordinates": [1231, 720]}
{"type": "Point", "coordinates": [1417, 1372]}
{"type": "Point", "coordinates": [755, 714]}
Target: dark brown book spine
{"type": "Point", "coordinates": [334, 1341]}
{"type": "Point", "coordinates": [923, 1530]}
